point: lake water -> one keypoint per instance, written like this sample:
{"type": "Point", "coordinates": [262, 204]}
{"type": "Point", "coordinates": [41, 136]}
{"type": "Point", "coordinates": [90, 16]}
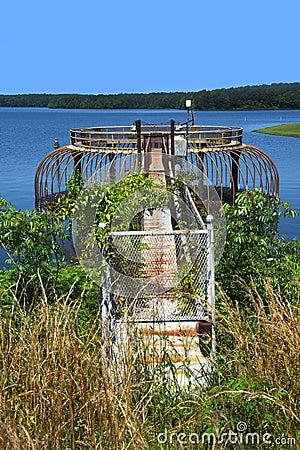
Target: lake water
{"type": "Point", "coordinates": [28, 134]}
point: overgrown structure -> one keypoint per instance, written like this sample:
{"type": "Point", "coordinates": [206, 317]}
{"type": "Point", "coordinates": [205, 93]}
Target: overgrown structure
{"type": "Point", "coordinates": [160, 274]}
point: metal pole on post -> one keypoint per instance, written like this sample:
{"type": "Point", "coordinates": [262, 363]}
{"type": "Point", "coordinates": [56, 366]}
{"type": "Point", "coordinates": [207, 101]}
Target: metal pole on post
{"type": "Point", "coordinates": [211, 283]}
{"type": "Point", "coordinates": [138, 129]}
{"type": "Point", "coordinates": [108, 315]}
{"type": "Point", "coordinates": [172, 137]}
{"type": "Point", "coordinates": [187, 131]}
{"type": "Point", "coordinates": [172, 145]}
{"type": "Point", "coordinates": [138, 135]}
{"type": "Point", "coordinates": [188, 105]}
{"type": "Point", "coordinates": [56, 146]}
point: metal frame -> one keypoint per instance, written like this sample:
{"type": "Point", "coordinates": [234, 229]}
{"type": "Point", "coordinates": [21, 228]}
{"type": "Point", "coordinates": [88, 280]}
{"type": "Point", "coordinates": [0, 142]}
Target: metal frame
{"type": "Point", "coordinates": [225, 161]}
{"type": "Point", "coordinates": [106, 154]}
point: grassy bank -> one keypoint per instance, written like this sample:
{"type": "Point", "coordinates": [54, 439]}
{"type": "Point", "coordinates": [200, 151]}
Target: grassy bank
{"type": "Point", "coordinates": [288, 129]}
{"type": "Point", "coordinates": [57, 390]}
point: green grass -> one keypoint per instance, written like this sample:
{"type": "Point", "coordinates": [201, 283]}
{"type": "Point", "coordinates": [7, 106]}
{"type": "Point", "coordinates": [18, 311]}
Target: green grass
{"type": "Point", "coordinates": [288, 129]}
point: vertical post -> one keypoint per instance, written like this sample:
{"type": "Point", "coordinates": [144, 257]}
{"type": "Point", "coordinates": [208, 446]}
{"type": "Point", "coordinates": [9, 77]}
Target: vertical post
{"type": "Point", "coordinates": [235, 174]}
{"type": "Point", "coordinates": [108, 315]}
{"type": "Point", "coordinates": [172, 137]}
{"type": "Point", "coordinates": [138, 130]}
{"type": "Point", "coordinates": [211, 283]}
{"type": "Point", "coordinates": [56, 146]}
{"type": "Point", "coordinates": [112, 168]}
{"type": "Point", "coordinates": [188, 105]}
{"type": "Point", "coordinates": [147, 152]}
{"type": "Point", "coordinates": [77, 157]}
{"type": "Point", "coordinates": [138, 135]}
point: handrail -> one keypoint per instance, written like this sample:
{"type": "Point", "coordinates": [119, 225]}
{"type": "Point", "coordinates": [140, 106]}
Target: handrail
{"type": "Point", "coordinates": [157, 233]}
{"type": "Point", "coordinates": [118, 136]}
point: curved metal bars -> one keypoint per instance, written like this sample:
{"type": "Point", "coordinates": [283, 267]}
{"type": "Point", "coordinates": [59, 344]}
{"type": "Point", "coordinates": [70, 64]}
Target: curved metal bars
{"type": "Point", "coordinates": [229, 168]}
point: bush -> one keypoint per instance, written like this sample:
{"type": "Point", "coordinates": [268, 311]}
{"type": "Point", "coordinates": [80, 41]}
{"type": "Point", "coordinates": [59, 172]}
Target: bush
{"type": "Point", "coordinates": [254, 252]}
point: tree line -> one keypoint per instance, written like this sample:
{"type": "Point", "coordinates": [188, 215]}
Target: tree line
{"type": "Point", "coordinates": [273, 96]}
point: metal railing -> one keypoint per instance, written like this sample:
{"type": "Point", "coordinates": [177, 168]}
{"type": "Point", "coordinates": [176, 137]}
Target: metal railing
{"type": "Point", "coordinates": [127, 136]}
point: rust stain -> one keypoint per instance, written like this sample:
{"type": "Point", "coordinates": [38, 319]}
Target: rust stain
{"type": "Point", "coordinates": [181, 333]}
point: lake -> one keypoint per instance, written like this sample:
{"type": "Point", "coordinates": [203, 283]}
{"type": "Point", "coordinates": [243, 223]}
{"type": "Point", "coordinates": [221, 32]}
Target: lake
{"type": "Point", "coordinates": [28, 134]}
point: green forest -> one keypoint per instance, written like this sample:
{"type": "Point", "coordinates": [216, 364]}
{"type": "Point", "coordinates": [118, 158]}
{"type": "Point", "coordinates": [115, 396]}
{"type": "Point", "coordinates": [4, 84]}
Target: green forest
{"type": "Point", "coordinates": [273, 96]}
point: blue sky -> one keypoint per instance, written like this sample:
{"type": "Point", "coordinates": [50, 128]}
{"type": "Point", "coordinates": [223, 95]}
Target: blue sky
{"type": "Point", "coordinates": [134, 46]}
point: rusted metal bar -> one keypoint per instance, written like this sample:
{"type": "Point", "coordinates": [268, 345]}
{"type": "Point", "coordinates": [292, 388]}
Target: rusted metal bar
{"type": "Point", "coordinates": [138, 135]}
{"type": "Point", "coordinates": [235, 174]}
{"type": "Point", "coordinates": [172, 122]}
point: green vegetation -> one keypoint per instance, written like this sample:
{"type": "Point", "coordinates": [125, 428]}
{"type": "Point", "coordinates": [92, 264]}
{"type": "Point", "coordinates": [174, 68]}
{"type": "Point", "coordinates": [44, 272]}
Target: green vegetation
{"type": "Point", "coordinates": [254, 252]}
{"type": "Point", "coordinates": [57, 390]}
{"type": "Point", "coordinates": [274, 96]}
{"type": "Point", "coordinates": [288, 129]}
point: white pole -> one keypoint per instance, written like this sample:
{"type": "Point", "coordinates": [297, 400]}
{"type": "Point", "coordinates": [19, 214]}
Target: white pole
{"type": "Point", "coordinates": [211, 283]}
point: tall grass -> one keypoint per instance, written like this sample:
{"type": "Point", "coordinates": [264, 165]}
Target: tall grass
{"type": "Point", "coordinates": [58, 390]}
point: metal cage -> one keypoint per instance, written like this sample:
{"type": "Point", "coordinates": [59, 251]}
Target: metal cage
{"type": "Point", "coordinates": [107, 153]}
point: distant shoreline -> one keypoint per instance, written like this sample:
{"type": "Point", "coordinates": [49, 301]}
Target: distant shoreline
{"type": "Point", "coordinates": [276, 96]}
{"type": "Point", "coordinates": [152, 109]}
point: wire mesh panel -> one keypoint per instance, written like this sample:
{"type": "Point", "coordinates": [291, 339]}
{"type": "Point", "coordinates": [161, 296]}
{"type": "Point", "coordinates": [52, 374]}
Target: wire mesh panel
{"type": "Point", "coordinates": [160, 276]}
